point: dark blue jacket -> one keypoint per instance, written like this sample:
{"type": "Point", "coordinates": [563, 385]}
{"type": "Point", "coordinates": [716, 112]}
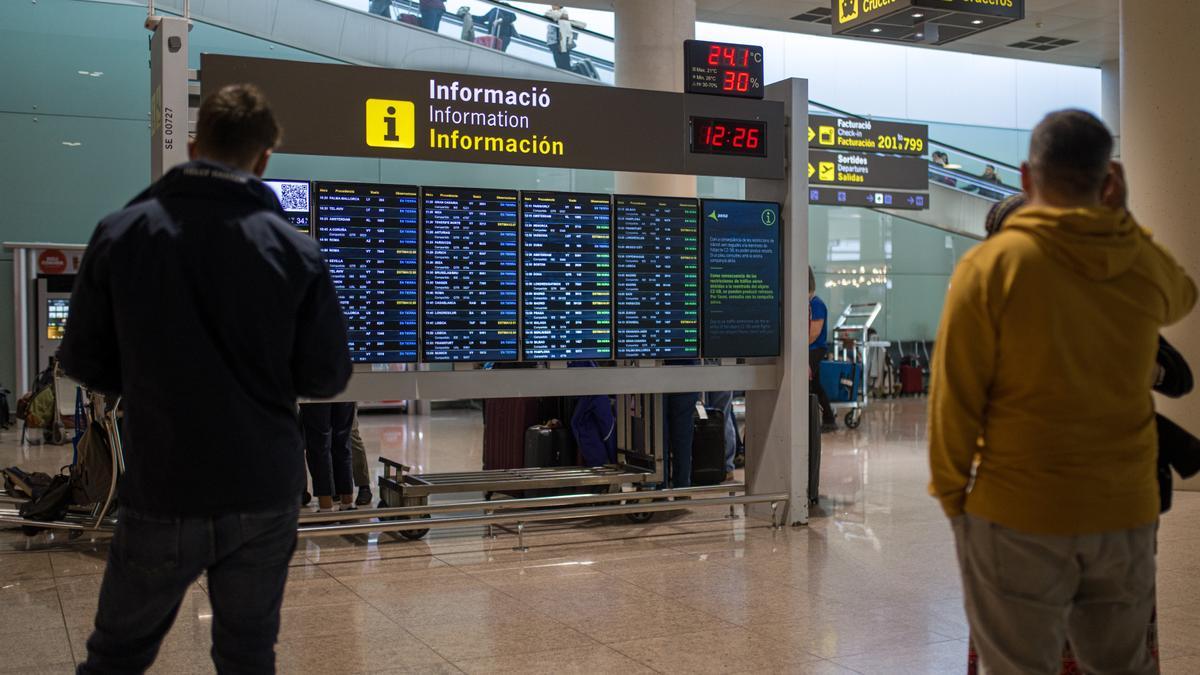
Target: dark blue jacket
{"type": "Point", "coordinates": [210, 315]}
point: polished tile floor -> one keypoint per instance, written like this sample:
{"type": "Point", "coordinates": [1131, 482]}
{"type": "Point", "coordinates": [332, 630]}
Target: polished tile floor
{"type": "Point", "coordinates": [869, 586]}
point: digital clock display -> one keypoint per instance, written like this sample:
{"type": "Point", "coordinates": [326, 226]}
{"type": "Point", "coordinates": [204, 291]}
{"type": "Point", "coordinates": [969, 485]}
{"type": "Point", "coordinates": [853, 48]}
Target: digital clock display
{"type": "Point", "coordinates": [729, 137]}
{"type": "Point", "coordinates": [722, 68]}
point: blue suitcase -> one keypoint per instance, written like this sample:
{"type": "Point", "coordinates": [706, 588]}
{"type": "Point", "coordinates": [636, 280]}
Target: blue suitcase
{"type": "Point", "coordinates": [841, 380]}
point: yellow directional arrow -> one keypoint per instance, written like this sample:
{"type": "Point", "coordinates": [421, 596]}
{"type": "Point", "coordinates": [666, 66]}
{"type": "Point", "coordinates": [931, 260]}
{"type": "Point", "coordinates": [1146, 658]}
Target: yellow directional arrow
{"type": "Point", "coordinates": [811, 134]}
{"type": "Point", "coordinates": [811, 170]}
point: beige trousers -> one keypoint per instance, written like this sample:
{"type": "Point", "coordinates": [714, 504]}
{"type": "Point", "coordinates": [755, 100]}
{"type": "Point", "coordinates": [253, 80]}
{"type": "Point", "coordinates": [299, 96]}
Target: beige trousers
{"type": "Point", "coordinates": [1025, 594]}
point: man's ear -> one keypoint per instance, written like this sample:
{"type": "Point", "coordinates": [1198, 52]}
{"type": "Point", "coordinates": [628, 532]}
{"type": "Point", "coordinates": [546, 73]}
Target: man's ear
{"type": "Point", "coordinates": [192, 149]}
{"type": "Point", "coordinates": [260, 165]}
{"type": "Point", "coordinates": [1027, 178]}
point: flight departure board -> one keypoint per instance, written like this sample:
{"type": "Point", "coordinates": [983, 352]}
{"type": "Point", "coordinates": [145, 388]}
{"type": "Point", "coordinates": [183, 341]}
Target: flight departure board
{"type": "Point", "coordinates": [368, 234]}
{"type": "Point", "coordinates": [567, 299]}
{"type": "Point", "coordinates": [294, 197]}
{"type": "Point", "coordinates": [471, 275]}
{"type": "Point", "coordinates": [742, 278]}
{"type": "Point", "coordinates": [658, 277]}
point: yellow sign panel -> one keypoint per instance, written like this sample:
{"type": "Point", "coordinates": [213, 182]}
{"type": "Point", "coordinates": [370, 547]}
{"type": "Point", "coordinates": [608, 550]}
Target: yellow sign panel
{"type": "Point", "coordinates": [391, 124]}
{"type": "Point", "coordinates": [828, 171]}
{"type": "Point", "coordinates": [828, 136]}
{"type": "Point", "coordinates": [847, 10]}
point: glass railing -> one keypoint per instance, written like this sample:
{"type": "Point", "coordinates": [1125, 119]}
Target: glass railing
{"type": "Point", "coordinates": [498, 25]}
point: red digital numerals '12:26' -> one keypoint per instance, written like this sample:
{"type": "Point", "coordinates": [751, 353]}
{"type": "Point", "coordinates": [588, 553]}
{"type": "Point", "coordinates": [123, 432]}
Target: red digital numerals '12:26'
{"type": "Point", "coordinates": [718, 135]}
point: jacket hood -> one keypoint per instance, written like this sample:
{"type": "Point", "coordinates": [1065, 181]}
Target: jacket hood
{"type": "Point", "coordinates": [1098, 243]}
{"type": "Point", "coordinates": [210, 180]}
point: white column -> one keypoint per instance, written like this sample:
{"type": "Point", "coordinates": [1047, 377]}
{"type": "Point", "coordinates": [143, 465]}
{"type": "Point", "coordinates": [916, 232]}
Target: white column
{"type": "Point", "coordinates": [1160, 94]}
{"type": "Point", "coordinates": [1110, 100]}
{"type": "Point", "coordinates": [649, 55]}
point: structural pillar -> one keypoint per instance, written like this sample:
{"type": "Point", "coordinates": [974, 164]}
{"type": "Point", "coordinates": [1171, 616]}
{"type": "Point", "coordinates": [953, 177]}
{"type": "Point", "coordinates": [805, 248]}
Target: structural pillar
{"type": "Point", "coordinates": [1160, 94]}
{"type": "Point", "coordinates": [1110, 100]}
{"type": "Point", "coordinates": [649, 55]}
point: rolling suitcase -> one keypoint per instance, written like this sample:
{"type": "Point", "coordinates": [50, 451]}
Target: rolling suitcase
{"type": "Point", "coordinates": [504, 423]}
{"type": "Point", "coordinates": [708, 449]}
{"type": "Point", "coordinates": [814, 448]}
{"type": "Point", "coordinates": [549, 446]}
{"type": "Point", "coordinates": [489, 41]}
{"type": "Point", "coordinates": [912, 381]}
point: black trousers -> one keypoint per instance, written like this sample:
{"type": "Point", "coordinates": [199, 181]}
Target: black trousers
{"type": "Point", "coordinates": [431, 18]}
{"type": "Point", "coordinates": [327, 428]}
{"type": "Point", "coordinates": [561, 59]}
{"type": "Point", "coordinates": [152, 563]}
{"type": "Point", "coordinates": [815, 357]}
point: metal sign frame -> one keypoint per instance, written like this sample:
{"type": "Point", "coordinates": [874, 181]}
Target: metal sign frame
{"type": "Point", "coordinates": [777, 389]}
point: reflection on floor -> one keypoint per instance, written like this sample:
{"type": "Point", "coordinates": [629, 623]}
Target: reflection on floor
{"type": "Point", "coordinates": [869, 587]}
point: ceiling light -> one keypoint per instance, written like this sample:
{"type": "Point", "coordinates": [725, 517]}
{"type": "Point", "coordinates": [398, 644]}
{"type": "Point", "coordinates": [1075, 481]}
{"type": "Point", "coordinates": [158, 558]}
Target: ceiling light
{"type": "Point", "coordinates": [876, 30]}
{"type": "Point", "coordinates": [918, 15]}
{"type": "Point", "coordinates": [72, 144]}
{"type": "Point", "coordinates": [977, 22]}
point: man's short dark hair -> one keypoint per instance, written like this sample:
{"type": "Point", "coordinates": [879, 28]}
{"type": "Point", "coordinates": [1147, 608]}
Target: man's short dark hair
{"type": "Point", "coordinates": [236, 125]}
{"type": "Point", "coordinates": [1070, 152]}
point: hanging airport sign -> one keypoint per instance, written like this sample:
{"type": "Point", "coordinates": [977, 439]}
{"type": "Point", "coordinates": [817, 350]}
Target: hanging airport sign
{"type": "Point", "coordinates": [863, 135]}
{"type": "Point", "coordinates": [881, 199]}
{"type": "Point", "coordinates": [922, 21]}
{"type": "Point", "coordinates": [853, 169]}
{"type": "Point", "coordinates": [360, 111]}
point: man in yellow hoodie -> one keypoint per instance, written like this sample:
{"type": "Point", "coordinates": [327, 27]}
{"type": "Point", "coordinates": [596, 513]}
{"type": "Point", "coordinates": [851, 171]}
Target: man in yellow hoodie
{"type": "Point", "coordinates": [1041, 429]}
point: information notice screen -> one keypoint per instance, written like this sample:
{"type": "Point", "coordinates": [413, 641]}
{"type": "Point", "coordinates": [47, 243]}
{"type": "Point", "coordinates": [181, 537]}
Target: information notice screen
{"type": "Point", "coordinates": [294, 197]}
{"type": "Point", "coordinates": [742, 273]}
{"type": "Point", "coordinates": [567, 299]}
{"type": "Point", "coordinates": [658, 277]}
{"type": "Point", "coordinates": [368, 234]}
{"type": "Point", "coordinates": [471, 270]}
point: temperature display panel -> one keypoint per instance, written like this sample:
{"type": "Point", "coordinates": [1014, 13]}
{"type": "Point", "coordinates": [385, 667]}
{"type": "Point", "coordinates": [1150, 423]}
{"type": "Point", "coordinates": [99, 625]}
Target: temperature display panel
{"type": "Point", "coordinates": [723, 69]}
{"type": "Point", "coordinates": [729, 137]}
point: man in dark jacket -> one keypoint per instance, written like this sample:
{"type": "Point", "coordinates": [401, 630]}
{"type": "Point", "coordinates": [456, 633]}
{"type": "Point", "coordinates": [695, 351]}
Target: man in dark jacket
{"type": "Point", "coordinates": [209, 314]}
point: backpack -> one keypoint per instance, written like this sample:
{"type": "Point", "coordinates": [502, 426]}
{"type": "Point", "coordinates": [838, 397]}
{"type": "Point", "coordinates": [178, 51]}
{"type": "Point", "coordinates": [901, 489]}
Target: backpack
{"type": "Point", "coordinates": [38, 408]}
{"type": "Point", "coordinates": [91, 474]}
{"type": "Point", "coordinates": [48, 504]}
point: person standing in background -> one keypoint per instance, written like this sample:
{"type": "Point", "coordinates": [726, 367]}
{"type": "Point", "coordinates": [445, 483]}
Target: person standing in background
{"type": "Point", "coordinates": [560, 36]}
{"type": "Point", "coordinates": [818, 347]}
{"type": "Point", "coordinates": [431, 14]}
{"type": "Point", "coordinates": [381, 7]}
{"type": "Point", "coordinates": [358, 459]}
{"type": "Point", "coordinates": [327, 428]}
{"type": "Point", "coordinates": [210, 315]}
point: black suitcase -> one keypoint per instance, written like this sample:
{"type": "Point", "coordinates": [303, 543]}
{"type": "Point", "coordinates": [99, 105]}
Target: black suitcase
{"type": "Point", "coordinates": [814, 448]}
{"type": "Point", "coordinates": [546, 446]}
{"type": "Point", "coordinates": [708, 449]}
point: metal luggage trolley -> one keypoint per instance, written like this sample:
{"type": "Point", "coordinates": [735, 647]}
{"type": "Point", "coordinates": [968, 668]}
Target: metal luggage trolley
{"type": "Point", "coordinates": [638, 466]}
{"type": "Point", "coordinates": [851, 343]}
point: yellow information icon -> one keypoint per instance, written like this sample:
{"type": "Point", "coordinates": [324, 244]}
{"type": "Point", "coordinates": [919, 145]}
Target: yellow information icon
{"type": "Point", "coordinates": [827, 171]}
{"type": "Point", "coordinates": [827, 136]}
{"type": "Point", "coordinates": [391, 124]}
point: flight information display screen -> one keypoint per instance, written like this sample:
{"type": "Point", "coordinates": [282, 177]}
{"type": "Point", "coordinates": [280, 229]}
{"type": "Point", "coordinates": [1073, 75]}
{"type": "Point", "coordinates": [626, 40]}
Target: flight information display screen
{"type": "Point", "coordinates": [658, 277]}
{"type": "Point", "coordinates": [742, 278]}
{"type": "Point", "coordinates": [471, 275]}
{"type": "Point", "coordinates": [294, 197]}
{"type": "Point", "coordinates": [567, 297]}
{"type": "Point", "coordinates": [368, 234]}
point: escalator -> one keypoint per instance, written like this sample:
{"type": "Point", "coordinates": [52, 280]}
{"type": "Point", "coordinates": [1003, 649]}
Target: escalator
{"type": "Point", "coordinates": [342, 30]}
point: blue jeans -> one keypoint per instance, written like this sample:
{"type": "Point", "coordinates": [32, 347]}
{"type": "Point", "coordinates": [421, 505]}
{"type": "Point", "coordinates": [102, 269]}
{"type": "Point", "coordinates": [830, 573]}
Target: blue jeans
{"type": "Point", "coordinates": [152, 564]}
{"type": "Point", "coordinates": [680, 413]}
{"type": "Point", "coordinates": [723, 401]}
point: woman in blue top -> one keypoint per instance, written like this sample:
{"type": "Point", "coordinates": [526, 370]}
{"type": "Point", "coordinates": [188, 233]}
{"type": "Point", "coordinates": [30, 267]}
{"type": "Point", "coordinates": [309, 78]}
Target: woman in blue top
{"type": "Point", "coordinates": [818, 346]}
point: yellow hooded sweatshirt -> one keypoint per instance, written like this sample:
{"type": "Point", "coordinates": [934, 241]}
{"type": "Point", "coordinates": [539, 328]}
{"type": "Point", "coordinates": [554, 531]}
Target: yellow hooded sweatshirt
{"type": "Point", "coordinates": [1042, 373]}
